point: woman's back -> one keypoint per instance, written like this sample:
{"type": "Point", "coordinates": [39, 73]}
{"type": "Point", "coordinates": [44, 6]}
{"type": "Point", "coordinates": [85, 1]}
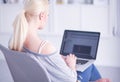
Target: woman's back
{"type": "Point", "coordinates": [55, 65]}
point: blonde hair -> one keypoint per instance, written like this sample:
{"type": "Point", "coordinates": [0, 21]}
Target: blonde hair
{"type": "Point", "coordinates": [20, 24]}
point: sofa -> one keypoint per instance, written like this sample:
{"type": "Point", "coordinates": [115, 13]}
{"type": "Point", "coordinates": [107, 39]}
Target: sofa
{"type": "Point", "coordinates": [20, 67]}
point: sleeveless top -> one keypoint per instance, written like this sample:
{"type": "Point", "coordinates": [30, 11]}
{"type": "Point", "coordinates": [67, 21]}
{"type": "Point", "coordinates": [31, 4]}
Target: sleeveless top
{"type": "Point", "coordinates": [56, 67]}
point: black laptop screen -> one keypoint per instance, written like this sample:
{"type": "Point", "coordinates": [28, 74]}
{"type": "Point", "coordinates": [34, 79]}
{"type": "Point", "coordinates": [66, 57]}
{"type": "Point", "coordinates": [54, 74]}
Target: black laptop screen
{"type": "Point", "coordinates": [81, 43]}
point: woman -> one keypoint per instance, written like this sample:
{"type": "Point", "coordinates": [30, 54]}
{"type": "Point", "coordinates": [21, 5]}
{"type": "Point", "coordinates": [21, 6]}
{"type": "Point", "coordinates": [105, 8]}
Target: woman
{"type": "Point", "coordinates": [33, 17]}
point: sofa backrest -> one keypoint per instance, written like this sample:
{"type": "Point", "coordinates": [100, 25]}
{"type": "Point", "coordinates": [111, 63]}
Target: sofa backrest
{"type": "Point", "coordinates": [23, 68]}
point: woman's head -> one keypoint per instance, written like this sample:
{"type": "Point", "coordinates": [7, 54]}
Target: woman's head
{"type": "Point", "coordinates": [34, 10]}
{"type": "Point", "coordinates": [34, 7]}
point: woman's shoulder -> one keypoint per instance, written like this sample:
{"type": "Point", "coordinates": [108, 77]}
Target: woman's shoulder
{"type": "Point", "coordinates": [48, 48]}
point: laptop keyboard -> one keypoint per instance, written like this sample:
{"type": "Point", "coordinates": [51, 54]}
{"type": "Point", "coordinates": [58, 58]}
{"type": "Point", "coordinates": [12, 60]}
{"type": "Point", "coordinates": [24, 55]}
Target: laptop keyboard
{"type": "Point", "coordinates": [81, 61]}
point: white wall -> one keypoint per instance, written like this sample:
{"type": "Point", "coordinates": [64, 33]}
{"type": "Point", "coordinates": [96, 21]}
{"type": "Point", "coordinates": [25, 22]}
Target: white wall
{"type": "Point", "coordinates": [108, 52]}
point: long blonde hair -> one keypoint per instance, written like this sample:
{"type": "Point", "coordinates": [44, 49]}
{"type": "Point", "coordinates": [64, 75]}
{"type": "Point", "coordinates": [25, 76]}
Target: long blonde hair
{"type": "Point", "coordinates": [20, 24]}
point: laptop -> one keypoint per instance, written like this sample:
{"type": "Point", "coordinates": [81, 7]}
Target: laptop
{"type": "Point", "coordinates": [83, 44]}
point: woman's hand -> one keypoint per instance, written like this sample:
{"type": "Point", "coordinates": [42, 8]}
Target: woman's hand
{"type": "Point", "coordinates": [71, 61]}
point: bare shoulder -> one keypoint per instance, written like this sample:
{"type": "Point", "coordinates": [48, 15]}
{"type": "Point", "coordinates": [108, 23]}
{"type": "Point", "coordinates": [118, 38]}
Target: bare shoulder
{"type": "Point", "coordinates": [48, 49]}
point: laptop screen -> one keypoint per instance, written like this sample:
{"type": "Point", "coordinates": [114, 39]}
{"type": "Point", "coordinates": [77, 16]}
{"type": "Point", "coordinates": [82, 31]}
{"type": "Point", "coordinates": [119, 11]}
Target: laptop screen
{"type": "Point", "coordinates": [83, 44]}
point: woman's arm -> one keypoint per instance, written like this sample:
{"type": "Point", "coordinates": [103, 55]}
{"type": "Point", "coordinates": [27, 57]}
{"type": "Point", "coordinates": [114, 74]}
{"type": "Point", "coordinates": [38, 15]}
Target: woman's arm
{"type": "Point", "coordinates": [70, 61]}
